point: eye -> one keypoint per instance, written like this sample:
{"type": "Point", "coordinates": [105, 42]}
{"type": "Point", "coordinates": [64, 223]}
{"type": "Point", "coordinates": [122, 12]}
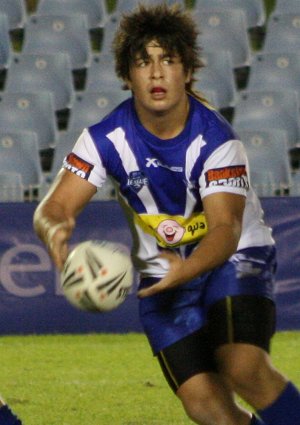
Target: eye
{"type": "Point", "coordinates": [167, 60]}
{"type": "Point", "coordinates": [141, 63]}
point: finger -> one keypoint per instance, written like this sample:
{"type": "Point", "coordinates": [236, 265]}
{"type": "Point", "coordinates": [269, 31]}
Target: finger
{"type": "Point", "coordinates": [153, 289]}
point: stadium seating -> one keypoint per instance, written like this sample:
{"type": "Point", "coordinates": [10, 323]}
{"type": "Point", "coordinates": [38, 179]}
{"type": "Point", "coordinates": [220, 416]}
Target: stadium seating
{"type": "Point", "coordinates": [65, 143]}
{"type": "Point", "coordinates": [11, 187]}
{"type": "Point", "coordinates": [217, 76]}
{"type": "Point", "coordinates": [109, 33]}
{"type": "Point", "coordinates": [95, 10]}
{"type": "Point", "coordinates": [90, 107]}
{"type": "Point", "coordinates": [254, 9]}
{"type": "Point", "coordinates": [101, 74]}
{"type": "Point", "coordinates": [283, 33]}
{"type": "Point", "coordinates": [284, 6]}
{"type": "Point", "coordinates": [35, 72]}
{"type": "Point", "coordinates": [19, 151]}
{"type": "Point", "coordinates": [15, 10]}
{"type": "Point", "coordinates": [64, 34]}
{"type": "Point", "coordinates": [267, 152]}
{"type": "Point", "coordinates": [31, 112]}
{"type": "Point", "coordinates": [5, 44]}
{"type": "Point", "coordinates": [295, 184]}
{"type": "Point", "coordinates": [269, 109]}
{"type": "Point", "coordinates": [128, 5]}
{"type": "Point", "coordinates": [219, 29]}
{"type": "Point", "coordinates": [271, 69]}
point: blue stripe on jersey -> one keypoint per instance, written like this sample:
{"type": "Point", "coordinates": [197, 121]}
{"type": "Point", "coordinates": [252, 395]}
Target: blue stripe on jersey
{"type": "Point", "coordinates": [158, 176]}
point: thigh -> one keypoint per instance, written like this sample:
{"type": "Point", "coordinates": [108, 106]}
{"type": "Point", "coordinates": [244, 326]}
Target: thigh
{"type": "Point", "coordinates": [171, 315]}
{"type": "Point", "coordinates": [190, 356]}
{"type": "Point", "coordinates": [244, 319]}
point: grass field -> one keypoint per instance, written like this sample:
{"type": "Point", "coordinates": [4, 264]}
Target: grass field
{"type": "Point", "coordinates": [100, 379]}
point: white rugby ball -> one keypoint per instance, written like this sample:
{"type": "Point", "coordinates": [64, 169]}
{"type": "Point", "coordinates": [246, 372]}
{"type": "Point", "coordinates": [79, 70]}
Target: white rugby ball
{"type": "Point", "coordinates": [97, 276]}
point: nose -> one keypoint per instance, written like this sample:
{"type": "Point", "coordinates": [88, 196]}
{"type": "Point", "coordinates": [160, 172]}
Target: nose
{"type": "Point", "coordinates": [156, 70]}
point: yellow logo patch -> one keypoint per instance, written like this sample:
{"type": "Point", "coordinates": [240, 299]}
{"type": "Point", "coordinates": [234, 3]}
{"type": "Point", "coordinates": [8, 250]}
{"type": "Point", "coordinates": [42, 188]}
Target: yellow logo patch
{"type": "Point", "coordinates": [171, 231]}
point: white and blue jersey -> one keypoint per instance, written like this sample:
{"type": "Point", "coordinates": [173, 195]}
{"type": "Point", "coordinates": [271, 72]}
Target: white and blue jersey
{"type": "Point", "coordinates": [162, 182]}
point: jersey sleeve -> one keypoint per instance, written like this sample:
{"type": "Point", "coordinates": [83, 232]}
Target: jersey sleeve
{"type": "Point", "coordinates": [225, 170]}
{"type": "Point", "coordinates": [85, 161]}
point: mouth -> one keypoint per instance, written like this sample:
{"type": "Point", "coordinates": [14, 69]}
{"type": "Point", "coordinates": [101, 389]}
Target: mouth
{"type": "Point", "coordinates": [158, 90]}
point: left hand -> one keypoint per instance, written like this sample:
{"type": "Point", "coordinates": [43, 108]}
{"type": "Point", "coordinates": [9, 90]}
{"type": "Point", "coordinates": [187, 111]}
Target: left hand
{"type": "Point", "coordinates": [173, 278]}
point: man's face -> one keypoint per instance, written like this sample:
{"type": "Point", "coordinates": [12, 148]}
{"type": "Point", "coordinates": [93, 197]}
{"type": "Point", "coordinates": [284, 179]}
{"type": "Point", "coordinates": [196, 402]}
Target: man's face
{"type": "Point", "coordinates": [157, 80]}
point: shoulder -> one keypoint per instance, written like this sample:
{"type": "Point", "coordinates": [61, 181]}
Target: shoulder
{"type": "Point", "coordinates": [213, 127]}
{"type": "Point", "coordinates": [118, 117]}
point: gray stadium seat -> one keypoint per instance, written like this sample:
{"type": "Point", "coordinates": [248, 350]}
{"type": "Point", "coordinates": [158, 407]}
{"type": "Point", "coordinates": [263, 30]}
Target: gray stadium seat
{"type": "Point", "coordinates": [272, 69]}
{"type": "Point", "coordinates": [5, 44]}
{"type": "Point", "coordinates": [90, 107]}
{"type": "Point", "coordinates": [15, 10]}
{"type": "Point", "coordinates": [64, 34]}
{"type": "Point", "coordinates": [295, 184]}
{"type": "Point", "coordinates": [36, 72]}
{"type": "Point", "coordinates": [269, 109]}
{"type": "Point", "coordinates": [225, 30]}
{"type": "Point", "coordinates": [128, 5]}
{"type": "Point", "coordinates": [254, 9]}
{"type": "Point", "coordinates": [95, 10]}
{"type": "Point", "coordinates": [283, 33]}
{"type": "Point", "coordinates": [31, 112]}
{"type": "Point", "coordinates": [286, 6]}
{"type": "Point", "coordinates": [217, 76]}
{"type": "Point", "coordinates": [65, 143]}
{"type": "Point", "coordinates": [19, 151]}
{"type": "Point", "coordinates": [109, 33]}
{"type": "Point", "coordinates": [101, 74]}
{"type": "Point", "coordinates": [267, 152]}
{"type": "Point", "coordinates": [11, 187]}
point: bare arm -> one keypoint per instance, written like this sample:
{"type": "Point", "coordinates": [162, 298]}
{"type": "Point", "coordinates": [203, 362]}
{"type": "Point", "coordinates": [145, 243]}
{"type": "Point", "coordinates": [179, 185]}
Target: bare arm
{"type": "Point", "coordinates": [224, 214]}
{"type": "Point", "coordinates": [54, 218]}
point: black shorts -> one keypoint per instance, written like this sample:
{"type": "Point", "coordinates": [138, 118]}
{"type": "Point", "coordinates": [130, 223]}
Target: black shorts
{"type": "Point", "coordinates": [239, 319]}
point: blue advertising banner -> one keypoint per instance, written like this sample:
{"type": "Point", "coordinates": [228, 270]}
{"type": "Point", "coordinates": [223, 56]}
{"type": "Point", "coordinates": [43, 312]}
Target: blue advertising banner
{"type": "Point", "coordinates": [31, 300]}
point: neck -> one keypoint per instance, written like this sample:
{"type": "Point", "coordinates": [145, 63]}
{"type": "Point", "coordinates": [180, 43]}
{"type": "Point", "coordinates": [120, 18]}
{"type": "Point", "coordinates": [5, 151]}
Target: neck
{"type": "Point", "coordinates": [165, 124]}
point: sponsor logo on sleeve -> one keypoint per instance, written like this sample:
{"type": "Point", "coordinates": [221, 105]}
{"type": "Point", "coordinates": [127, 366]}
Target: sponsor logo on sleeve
{"type": "Point", "coordinates": [233, 176]}
{"type": "Point", "coordinates": [78, 166]}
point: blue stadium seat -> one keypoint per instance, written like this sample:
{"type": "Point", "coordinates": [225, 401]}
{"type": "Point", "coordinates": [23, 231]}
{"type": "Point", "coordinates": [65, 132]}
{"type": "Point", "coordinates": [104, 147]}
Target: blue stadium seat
{"type": "Point", "coordinates": [95, 10]}
{"type": "Point", "coordinates": [254, 9]}
{"type": "Point", "coordinates": [36, 72]}
{"type": "Point", "coordinates": [11, 187]}
{"type": "Point", "coordinates": [217, 76]}
{"type": "Point", "coordinates": [32, 112]}
{"type": "Point", "coordinates": [59, 34]}
{"type": "Point", "coordinates": [225, 30]}
{"type": "Point", "coordinates": [101, 74]}
{"type": "Point", "coordinates": [273, 69]}
{"type": "Point", "coordinates": [15, 10]}
{"type": "Point", "coordinates": [283, 33]}
{"type": "Point", "coordinates": [90, 107]}
{"type": "Point", "coordinates": [19, 151]}
{"type": "Point", "coordinates": [267, 151]}
{"type": "Point", "coordinates": [269, 109]}
{"type": "Point", "coordinates": [5, 43]}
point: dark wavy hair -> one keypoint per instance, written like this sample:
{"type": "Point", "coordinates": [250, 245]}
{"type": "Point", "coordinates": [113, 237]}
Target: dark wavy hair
{"type": "Point", "coordinates": [173, 28]}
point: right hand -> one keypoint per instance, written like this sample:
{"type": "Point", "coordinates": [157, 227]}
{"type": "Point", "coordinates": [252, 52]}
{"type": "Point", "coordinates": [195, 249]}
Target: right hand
{"type": "Point", "coordinates": [57, 239]}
